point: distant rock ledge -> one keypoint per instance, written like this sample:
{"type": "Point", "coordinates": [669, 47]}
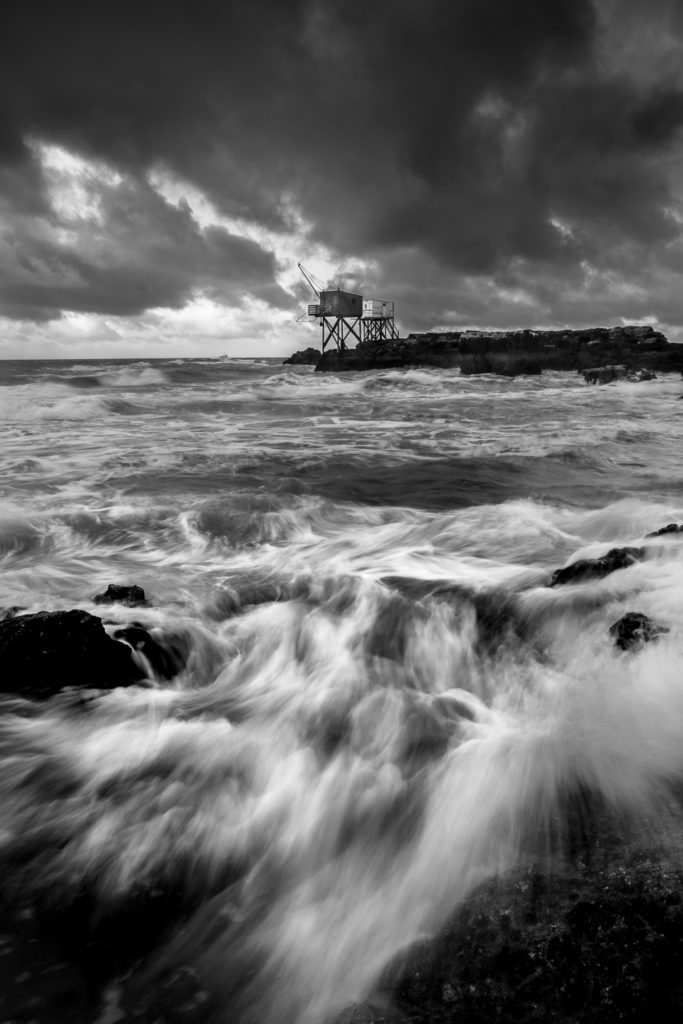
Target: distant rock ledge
{"type": "Point", "coordinates": [510, 353]}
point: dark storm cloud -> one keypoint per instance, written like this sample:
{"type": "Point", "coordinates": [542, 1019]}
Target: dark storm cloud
{"type": "Point", "coordinates": [138, 252]}
{"type": "Point", "coordinates": [495, 138]}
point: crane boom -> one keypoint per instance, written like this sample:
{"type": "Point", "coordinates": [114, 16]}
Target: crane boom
{"type": "Point", "coordinates": [315, 285]}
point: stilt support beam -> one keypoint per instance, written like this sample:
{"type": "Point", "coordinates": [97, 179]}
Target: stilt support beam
{"type": "Point", "coordinates": [337, 329]}
{"type": "Point", "coordinates": [379, 329]}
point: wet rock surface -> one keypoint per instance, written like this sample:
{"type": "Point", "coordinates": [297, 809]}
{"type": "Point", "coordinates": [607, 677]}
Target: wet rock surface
{"type": "Point", "coordinates": [634, 629]}
{"type": "Point", "coordinates": [607, 374]}
{"type": "Point", "coordinates": [132, 596]}
{"type": "Point", "coordinates": [604, 374]}
{"type": "Point", "coordinates": [40, 654]}
{"type": "Point", "coordinates": [596, 568]}
{"type": "Point", "coordinates": [672, 528]}
{"type": "Point", "coordinates": [598, 943]}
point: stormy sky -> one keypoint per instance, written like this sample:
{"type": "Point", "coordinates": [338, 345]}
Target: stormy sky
{"type": "Point", "coordinates": [490, 163]}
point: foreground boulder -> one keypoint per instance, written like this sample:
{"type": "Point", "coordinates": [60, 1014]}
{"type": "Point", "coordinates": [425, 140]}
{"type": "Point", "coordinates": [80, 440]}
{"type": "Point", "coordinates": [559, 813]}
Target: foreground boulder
{"type": "Point", "coordinates": [43, 653]}
{"type": "Point", "coordinates": [133, 596]}
{"type": "Point", "coordinates": [595, 945]}
{"type": "Point", "coordinates": [595, 568]}
{"type": "Point", "coordinates": [634, 629]}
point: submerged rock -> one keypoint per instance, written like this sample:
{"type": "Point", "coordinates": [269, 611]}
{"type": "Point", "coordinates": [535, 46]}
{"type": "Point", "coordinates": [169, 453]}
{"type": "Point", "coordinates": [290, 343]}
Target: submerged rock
{"type": "Point", "coordinates": [43, 653]}
{"type": "Point", "coordinates": [132, 596]}
{"type": "Point", "coordinates": [634, 629]}
{"type": "Point", "coordinates": [595, 568]}
{"type": "Point", "coordinates": [166, 658]}
{"type": "Point", "coordinates": [604, 374]}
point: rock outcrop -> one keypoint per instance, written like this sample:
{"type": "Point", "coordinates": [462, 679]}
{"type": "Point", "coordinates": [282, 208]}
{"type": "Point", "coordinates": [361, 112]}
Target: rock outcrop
{"type": "Point", "coordinates": [132, 596]}
{"type": "Point", "coordinates": [596, 568]}
{"type": "Point", "coordinates": [306, 357]}
{"type": "Point", "coordinates": [43, 653]}
{"type": "Point", "coordinates": [671, 528]}
{"type": "Point", "coordinates": [634, 629]}
{"type": "Point", "coordinates": [636, 348]}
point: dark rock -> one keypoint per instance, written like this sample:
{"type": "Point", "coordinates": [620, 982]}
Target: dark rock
{"type": "Point", "coordinates": [43, 653]}
{"type": "Point", "coordinates": [167, 657]}
{"type": "Point", "coordinates": [439, 351]}
{"type": "Point", "coordinates": [38, 981]}
{"type": "Point", "coordinates": [307, 356]}
{"type": "Point", "coordinates": [604, 374]}
{"type": "Point", "coordinates": [596, 568]}
{"type": "Point", "coordinates": [634, 629]}
{"type": "Point", "coordinates": [593, 946]}
{"type": "Point", "coordinates": [117, 594]}
{"type": "Point", "coordinates": [508, 353]}
{"type": "Point", "coordinates": [671, 528]}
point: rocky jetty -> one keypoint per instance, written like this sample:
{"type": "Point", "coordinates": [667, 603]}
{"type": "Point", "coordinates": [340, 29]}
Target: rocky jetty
{"type": "Point", "coordinates": [635, 348]}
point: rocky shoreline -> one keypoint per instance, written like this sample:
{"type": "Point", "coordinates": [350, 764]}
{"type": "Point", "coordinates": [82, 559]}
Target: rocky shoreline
{"type": "Point", "coordinates": [594, 934]}
{"type": "Point", "coordinates": [510, 353]}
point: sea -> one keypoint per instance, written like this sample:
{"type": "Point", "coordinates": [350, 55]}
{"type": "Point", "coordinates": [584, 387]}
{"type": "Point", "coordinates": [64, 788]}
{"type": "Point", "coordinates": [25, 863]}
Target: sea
{"type": "Point", "coordinates": [382, 702]}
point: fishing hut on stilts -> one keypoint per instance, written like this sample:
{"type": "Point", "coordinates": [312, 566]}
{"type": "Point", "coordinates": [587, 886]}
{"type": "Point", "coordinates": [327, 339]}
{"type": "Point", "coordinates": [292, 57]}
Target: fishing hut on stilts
{"type": "Point", "coordinates": [345, 315]}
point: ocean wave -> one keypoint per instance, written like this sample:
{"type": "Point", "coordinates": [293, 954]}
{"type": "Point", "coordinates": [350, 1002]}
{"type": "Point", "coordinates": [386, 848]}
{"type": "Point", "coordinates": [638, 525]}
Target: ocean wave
{"type": "Point", "coordinates": [58, 402]}
{"type": "Point", "coordinates": [137, 375]}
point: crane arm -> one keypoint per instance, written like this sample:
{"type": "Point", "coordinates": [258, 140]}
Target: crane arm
{"type": "Point", "coordinates": [315, 285]}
